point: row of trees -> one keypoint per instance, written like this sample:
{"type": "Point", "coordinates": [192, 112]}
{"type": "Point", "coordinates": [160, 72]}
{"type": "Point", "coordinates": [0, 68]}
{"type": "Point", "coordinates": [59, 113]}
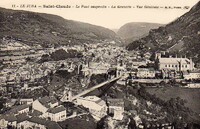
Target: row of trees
{"type": "Point", "coordinates": [61, 55]}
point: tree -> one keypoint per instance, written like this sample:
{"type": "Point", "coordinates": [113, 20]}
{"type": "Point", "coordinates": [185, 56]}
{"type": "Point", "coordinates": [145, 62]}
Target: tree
{"type": "Point", "coordinates": [61, 54]}
{"type": "Point", "coordinates": [45, 58]}
{"type": "Point", "coordinates": [10, 127]}
{"type": "Point", "coordinates": [152, 57]}
{"type": "Point", "coordinates": [102, 123]}
{"type": "Point", "coordinates": [66, 126]}
{"type": "Point", "coordinates": [28, 59]}
{"type": "Point", "coordinates": [93, 55]}
{"type": "Point", "coordinates": [2, 102]}
{"type": "Point", "coordinates": [132, 124]}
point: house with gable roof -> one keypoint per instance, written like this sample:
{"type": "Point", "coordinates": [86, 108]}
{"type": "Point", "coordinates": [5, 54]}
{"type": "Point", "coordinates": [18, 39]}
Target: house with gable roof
{"type": "Point", "coordinates": [44, 103]}
{"type": "Point", "coordinates": [57, 113]}
{"type": "Point", "coordinates": [22, 121]}
{"type": "Point", "coordinates": [19, 109]}
{"type": "Point", "coordinates": [8, 120]}
{"type": "Point", "coordinates": [27, 122]}
{"type": "Point", "coordinates": [50, 108]}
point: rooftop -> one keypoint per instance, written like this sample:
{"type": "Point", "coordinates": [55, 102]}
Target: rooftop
{"type": "Point", "coordinates": [195, 71]}
{"type": "Point", "coordinates": [174, 60]}
{"type": "Point", "coordinates": [57, 109]}
{"type": "Point", "coordinates": [22, 117]}
{"type": "Point", "coordinates": [92, 98]}
{"type": "Point", "coordinates": [95, 99]}
{"type": "Point", "coordinates": [35, 113]}
{"type": "Point", "coordinates": [48, 100]}
{"type": "Point", "coordinates": [146, 69]}
{"type": "Point", "coordinates": [38, 120]}
{"type": "Point", "coordinates": [53, 125]}
{"type": "Point", "coordinates": [49, 124]}
{"type": "Point", "coordinates": [115, 102]}
{"type": "Point", "coordinates": [8, 117]}
{"type": "Point", "coordinates": [16, 109]}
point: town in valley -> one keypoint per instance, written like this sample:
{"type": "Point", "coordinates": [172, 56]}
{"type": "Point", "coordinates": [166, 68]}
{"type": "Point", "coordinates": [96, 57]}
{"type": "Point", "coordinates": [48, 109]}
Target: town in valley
{"type": "Point", "coordinates": [95, 85]}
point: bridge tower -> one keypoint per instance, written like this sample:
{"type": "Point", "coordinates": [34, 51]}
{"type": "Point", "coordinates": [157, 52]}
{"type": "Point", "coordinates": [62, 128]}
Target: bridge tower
{"type": "Point", "coordinates": [120, 67]}
{"type": "Point", "coordinates": [79, 68]}
{"type": "Point", "coordinates": [67, 95]}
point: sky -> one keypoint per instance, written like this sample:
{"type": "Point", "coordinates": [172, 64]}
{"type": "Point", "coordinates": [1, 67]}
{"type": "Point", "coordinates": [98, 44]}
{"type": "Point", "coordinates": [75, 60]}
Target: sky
{"type": "Point", "coordinates": [112, 18]}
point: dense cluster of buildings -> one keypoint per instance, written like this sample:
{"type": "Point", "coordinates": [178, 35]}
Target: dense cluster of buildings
{"type": "Point", "coordinates": [14, 52]}
{"type": "Point", "coordinates": [15, 62]}
{"type": "Point", "coordinates": [18, 72]}
{"type": "Point", "coordinates": [41, 113]}
{"type": "Point", "coordinates": [46, 112]}
{"type": "Point", "coordinates": [167, 67]}
{"type": "Point", "coordinates": [100, 108]}
{"type": "Point", "coordinates": [139, 64]}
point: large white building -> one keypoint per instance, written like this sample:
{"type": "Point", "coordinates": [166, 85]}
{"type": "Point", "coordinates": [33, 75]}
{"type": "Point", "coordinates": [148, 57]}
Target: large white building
{"type": "Point", "coordinates": [96, 105]}
{"type": "Point", "coordinates": [192, 75]}
{"type": "Point", "coordinates": [116, 106]}
{"type": "Point", "coordinates": [146, 73]}
{"type": "Point", "coordinates": [174, 63]}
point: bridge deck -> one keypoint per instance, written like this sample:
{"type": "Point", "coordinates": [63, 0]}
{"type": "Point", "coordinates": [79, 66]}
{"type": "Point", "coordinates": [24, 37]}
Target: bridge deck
{"type": "Point", "coordinates": [95, 87]}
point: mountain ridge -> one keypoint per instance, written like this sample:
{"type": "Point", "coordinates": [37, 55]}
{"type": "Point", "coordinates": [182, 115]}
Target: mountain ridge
{"type": "Point", "coordinates": [184, 30]}
{"type": "Point", "coordinates": [49, 29]}
{"type": "Point", "coordinates": [135, 30]}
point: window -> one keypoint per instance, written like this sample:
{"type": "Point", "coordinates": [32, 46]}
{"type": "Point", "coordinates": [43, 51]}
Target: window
{"type": "Point", "coordinates": [169, 65]}
{"type": "Point", "coordinates": [62, 116]}
{"type": "Point", "coordinates": [186, 66]}
{"type": "Point", "coordinates": [172, 65]}
{"type": "Point", "coordinates": [166, 66]}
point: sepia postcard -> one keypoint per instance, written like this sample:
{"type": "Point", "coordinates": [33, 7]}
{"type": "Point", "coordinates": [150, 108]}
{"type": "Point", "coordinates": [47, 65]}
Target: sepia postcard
{"type": "Point", "coordinates": [99, 64]}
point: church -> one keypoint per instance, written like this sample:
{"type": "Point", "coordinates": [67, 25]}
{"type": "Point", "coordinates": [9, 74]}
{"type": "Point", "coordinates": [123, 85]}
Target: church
{"type": "Point", "coordinates": [173, 63]}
